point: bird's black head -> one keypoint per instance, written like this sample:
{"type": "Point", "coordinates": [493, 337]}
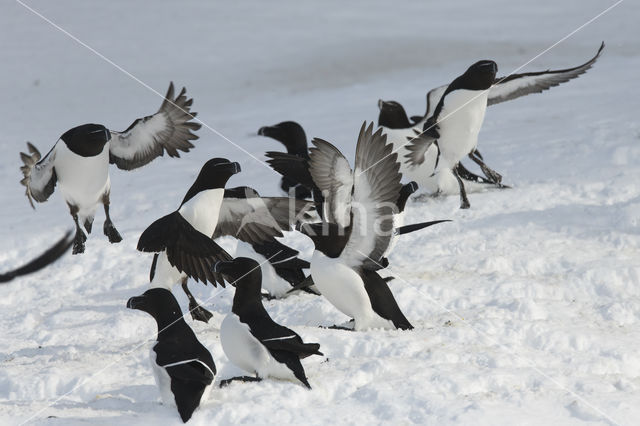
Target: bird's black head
{"type": "Point", "coordinates": [392, 115]}
{"type": "Point", "coordinates": [160, 304]}
{"type": "Point", "coordinates": [87, 140]}
{"type": "Point", "coordinates": [241, 272]}
{"type": "Point", "coordinates": [479, 76]}
{"type": "Point", "coordinates": [214, 174]}
{"type": "Point", "coordinates": [328, 238]}
{"type": "Point", "coordinates": [291, 134]}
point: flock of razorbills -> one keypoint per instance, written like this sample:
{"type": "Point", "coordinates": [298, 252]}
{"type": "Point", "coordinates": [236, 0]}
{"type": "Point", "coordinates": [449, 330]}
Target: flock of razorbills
{"type": "Point", "coordinates": [352, 216]}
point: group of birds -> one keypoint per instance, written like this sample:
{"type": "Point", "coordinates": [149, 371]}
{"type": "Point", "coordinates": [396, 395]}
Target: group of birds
{"type": "Point", "coordinates": [353, 216]}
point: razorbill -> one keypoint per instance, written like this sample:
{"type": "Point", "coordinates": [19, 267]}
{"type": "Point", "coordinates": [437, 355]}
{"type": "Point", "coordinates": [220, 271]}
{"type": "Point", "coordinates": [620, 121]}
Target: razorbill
{"type": "Point", "coordinates": [262, 219]}
{"type": "Point", "coordinates": [447, 180]}
{"type": "Point", "coordinates": [79, 160]}
{"type": "Point", "coordinates": [182, 239]}
{"type": "Point", "coordinates": [250, 338]}
{"type": "Point", "coordinates": [351, 244]}
{"type": "Point", "coordinates": [182, 367]}
{"type": "Point", "coordinates": [292, 136]}
{"type": "Point", "coordinates": [51, 255]}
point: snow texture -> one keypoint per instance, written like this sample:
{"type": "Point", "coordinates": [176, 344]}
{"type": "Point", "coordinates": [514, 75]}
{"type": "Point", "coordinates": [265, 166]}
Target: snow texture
{"type": "Point", "coordinates": [526, 306]}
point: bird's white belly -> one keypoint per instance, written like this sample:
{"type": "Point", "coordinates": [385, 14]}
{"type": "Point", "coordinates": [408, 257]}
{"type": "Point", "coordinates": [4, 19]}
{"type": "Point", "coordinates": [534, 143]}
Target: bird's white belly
{"type": "Point", "coordinates": [246, 352]}
{"type": "Point", "coordinates": [163, 381]}
{"type": "Point", "coordinates": [166, 275]}
{"type": "Point", "coordinates": [272, 283]}
{"type": "Point", "coordinates": [460, 121]}
{"type": "Point", "coordinates": [82, 180]}
{"type": "Point", "coordinates": [203, 209]}
{"type": "Point", "coordinates": [344, 288]}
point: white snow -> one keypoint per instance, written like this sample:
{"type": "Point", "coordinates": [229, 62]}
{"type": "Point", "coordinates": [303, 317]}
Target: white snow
{"type": "Point", "coordinates": [526, 306]}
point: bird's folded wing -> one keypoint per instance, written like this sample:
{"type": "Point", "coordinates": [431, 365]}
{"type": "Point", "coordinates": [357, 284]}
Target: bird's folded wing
{"type": "Point", "coordinates": [516, 85]}
{"type": "Point", "coordinates": [280, 255]}
{"type": "Point", "coordinates": [170, 130]}
{"type": "Point", "coordinates": [257, 220]}
{"type": "Point", "coordinates": [291, 167]}
{"type": "Point", "coordinates": [39, 174]}
{"type": "Point", "coordinates": [49, 256]}
{"type": "Point", "coordinates": [333, 176]}
{"type": "Point", "coordinates": [375, 191]}
{"type": "Point", "coordinates": [280, 338]}
{"type": "Point", "coordinates": [187, 249]}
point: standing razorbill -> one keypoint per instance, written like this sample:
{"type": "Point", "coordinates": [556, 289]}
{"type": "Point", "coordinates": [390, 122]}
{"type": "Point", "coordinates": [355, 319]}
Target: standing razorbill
{"type": "Point", "coordinates": [46, 258]}
{"type": "Point", "coordinates": [350, 246]}
{"type": "Point", "coordinates": [292, 136]}
{"type": "Point", "coordinates": [79, 160]}
{"type": "Point", "coordinates": [182, 239]}
{"type": "Point", "coordinates": [503, 89]}
{"type": "Point", "coordinates": [182, 367]}
{"type": "Point", "coordinates": [250, 338]}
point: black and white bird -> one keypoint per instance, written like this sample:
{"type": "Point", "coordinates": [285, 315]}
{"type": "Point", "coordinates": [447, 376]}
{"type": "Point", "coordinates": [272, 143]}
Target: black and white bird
{"type": "Point", "coordinates": [293, 137]}
{"type": "Point", "coordinates": [51, 255]}
{"type": "Point", "coordinates": [79, 160]}
{"type": "Point", "coordinates": [251, 339]}
{"type": "Point", "coordinates": [421, 156]}
{"type": "Point", "coordinates": [350, 246]}
{"type": "Point", "coordinates": [256, 222]}
{"type": "Point", "coordinates": [182, 239]}
{"type": "Point", "coordinates": [182, 367]}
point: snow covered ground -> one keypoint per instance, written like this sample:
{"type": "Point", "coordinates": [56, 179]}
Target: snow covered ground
{"type": "Point", "coordinates": [526, 307]}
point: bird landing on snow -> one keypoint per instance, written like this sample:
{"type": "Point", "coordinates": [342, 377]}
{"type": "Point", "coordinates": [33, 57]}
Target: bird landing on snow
{"type": "Point", "coordinates": [79, 161]}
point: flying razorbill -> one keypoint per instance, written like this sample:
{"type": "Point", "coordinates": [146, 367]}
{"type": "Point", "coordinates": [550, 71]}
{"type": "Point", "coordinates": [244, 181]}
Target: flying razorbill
{"type": "Point", "coordinates": [79, 160]}
{"type": "Point", "coordinates": [503, 89]}
{"type": "Point", "coordinates": [293, 137]}
{"type": "Point", "coordinates": [182, 367]}
{"type": "Point", "coordinates": [46, 258]}
{"type": "Point", "coordinates": [251, 339]}
{"type": "Point", "coordinates": [351, 244]}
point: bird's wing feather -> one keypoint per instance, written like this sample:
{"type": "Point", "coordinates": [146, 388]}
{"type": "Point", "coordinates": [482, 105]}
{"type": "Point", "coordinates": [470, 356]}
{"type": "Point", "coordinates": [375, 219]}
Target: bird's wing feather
{"type": "Point", "coordinates": [49, 256]}
{"type": "Point", "coordinates": [375, 191]}
{"type": "Point", "coordinates": [433, 97]}
{"type": "Point", "coordinates": [516, 85]}
{"type": "Point", "coordinates": [170, 130]}
{"type": "Point", "coordinates": [333, 176]}
{"type": "Point", "coordinates": [187, 249]}
{"type": "Point", "coordinates": [291, 167]}
{"type": "Point", "coordinates": [258, 219]}
{"type": "Point", "coordinates": [39, 174]}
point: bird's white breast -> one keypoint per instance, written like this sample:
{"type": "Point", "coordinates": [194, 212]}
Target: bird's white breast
{"type": "Point", "coordinates": [203, 209]}
{"type": "Point", "coordinates": [459, 123]}
{"type": "Point", "coordinates": [162, 380]}
{"type": "Point", "coordinates": [344, 288]}
{"type": "Point", "coordinates": [82, 180]}
{"type": "Point", "coordinates": [273, 283]}
{"type": "Point", "coordinates": [246, 352]}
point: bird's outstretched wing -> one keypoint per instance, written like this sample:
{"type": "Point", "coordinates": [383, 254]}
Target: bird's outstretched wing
{"type": "Point", "coordinates": [376, 186]}
{"type": "Point", "coordinates": [516, 85]}
{"type": "Point", "coordinates": [256, 219]}
{"type": "Point", "coordinates": [39, 174]}
{"type": "Point", "coordinates": [46, 258]}
{"type": "Point", "coordinates": [187, 249]}
{"type": "Point", "coordinates": [170, 130]}
{"type": "Point", "coordinates": [333, 176]}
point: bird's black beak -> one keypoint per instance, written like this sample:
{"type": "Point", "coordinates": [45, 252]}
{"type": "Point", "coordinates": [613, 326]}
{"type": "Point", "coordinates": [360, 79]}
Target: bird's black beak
{"type": "Point", "coordinates": [221, 267]}
{"type": "Point", "coordinates": [136, 302]}
{"type": "Point", "coordinates": [263, 131]}
{"type": "Point", "coordinates": [380, 103]}
{"type": "Point", "coordinates": [236, 167]}
{"type": "Point", "coordinates": [489, 66]}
